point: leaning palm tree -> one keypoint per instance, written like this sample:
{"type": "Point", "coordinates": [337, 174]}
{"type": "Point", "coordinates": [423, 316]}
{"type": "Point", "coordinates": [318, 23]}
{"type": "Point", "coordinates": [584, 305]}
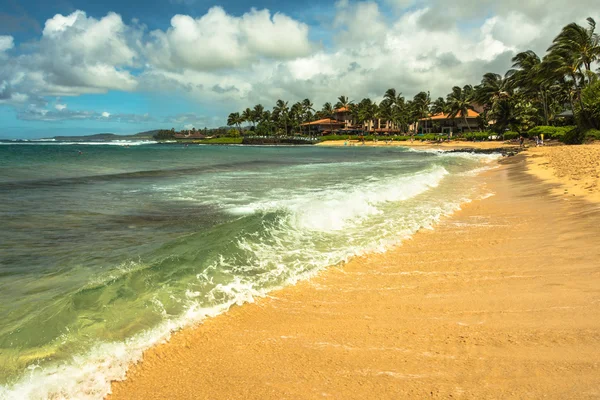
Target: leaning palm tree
{"type": "Point", "coordinates": [493, 88]}
{"type": "Point", "coordinates": [581, 44]}
{"type": "Point", "coordinates": [527, 76]}
{"type": "Point", "coordinates": [247, 115]}
{"type": "Point", "coordinates": [459, 103]}
{"type": "Point", "coordinates": [438, 106]}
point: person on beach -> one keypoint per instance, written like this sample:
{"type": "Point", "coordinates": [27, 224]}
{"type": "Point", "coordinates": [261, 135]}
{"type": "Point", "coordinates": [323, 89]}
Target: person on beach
{"type": "Point", "coordinates": [541, 139]}
{"type": "Point", "coordinates": [521, 141]}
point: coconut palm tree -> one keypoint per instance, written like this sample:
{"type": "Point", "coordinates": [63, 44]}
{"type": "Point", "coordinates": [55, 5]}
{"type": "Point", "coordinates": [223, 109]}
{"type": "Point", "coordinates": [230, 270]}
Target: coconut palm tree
{"type": "Point", "coordinates": [327, 111]}
{"type": "Point", "coordinates": [308, 109]}
{"type": "Point", "coordinates": [581, 44]}
{"type": "Point", "coordinates": [343, 102]}
{"type": "Point", "coordinates": [420, 106]}
{"type": "Point", "coordinates": [257, 114]}
{"type": "Point", "coordinates": [438, 106]}
{"type": "Point", "coordinates": [459, 103]}
{"type": "Point", "coordinates": [527, 76]}
{"type": "Point", "coordinates": [235, 119]}
{"type": "Point", "coordinates": [296, 114]}
{"type": "Point", "coordinates": [281, 111]}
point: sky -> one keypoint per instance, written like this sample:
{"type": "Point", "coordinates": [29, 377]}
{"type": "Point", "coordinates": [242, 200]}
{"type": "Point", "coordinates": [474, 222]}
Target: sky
{"type": "Point", "coordinates": [75, 67]}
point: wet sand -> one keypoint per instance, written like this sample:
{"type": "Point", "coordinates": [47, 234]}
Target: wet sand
{"type": "Point", "coordinates": [502, 300]}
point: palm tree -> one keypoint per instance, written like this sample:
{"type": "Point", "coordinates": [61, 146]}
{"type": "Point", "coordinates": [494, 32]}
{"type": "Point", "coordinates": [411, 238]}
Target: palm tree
{"type": "Point", "coordinates": [327, 111]}
{"type": "Point", "coordinates": [343, 102]}
{"type": "Point", "coordinates": [420, 105]}
{"type": "Point", "coordinates": [296, 114]}
{"type": "Point", "coordinates": [257, 114]}
{"type": "Point", "coordinates": [398, 107]}
{"type": "Point", "coordinates": [579, 43]}
{"type": "Point", "coordinates": [247, 116]}
{"type": "Point", "coordinates": [235, 119]}
{"type": "Point", "coordinates": [281, 111]}
{"type": "Point", "coordinates": [308, 109]}
{"type": "Point", "coordinates": [459, 103]}
{"type": "Point", "coordinates": [527, 76]}
{"type": "Point", "coordinates": [438, 106]}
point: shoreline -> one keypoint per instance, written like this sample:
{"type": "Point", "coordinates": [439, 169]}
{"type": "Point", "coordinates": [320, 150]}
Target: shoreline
{"type": "Point", "coordinates": [454, 145]}
{"type": "Point", "coordinates": [304, 337]}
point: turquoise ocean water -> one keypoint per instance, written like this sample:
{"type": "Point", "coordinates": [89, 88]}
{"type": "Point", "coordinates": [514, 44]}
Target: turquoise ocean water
{"type": "Point", "coordinates": [106, 249]}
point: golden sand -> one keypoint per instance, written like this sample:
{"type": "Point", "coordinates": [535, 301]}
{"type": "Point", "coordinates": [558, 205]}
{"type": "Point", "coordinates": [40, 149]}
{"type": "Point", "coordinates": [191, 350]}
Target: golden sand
{"type": "Point", "coordinates": [425, 144]}
{"type": "Point", "coordinates": [575, 168]}
{"type": "Point", "coordinates": [500, 301]}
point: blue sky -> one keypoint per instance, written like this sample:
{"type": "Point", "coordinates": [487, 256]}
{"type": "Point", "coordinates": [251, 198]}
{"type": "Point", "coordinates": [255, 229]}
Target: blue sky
{"type": "Point", "coordinates": [81, 67]}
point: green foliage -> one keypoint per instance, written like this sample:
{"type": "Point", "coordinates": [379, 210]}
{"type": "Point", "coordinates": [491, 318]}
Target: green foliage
{"type": "Point", "coordinates": [592, 134]}
{"type": "Point", "coordinates": [509, 135]}
{"type": "Point", "coordinates": [478, 136]}
{"type": "Point", "coordinates": [220, 140]}
{"type": "Point", "coordinates": [234, 133]}
{"type": "Point", "coordinates": [590, 97]}
{"type": "Point", "coordinates": [574, 136]}
{"type": "Point", "coordinates": [550, 132]}
{"type": "Point", "coordinates": [164, 134]}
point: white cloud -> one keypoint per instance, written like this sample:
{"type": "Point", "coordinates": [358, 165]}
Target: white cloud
{"type": "Point", "coordinates": [60, 107]}
{"type": "Point", "coordinates": [233, 62]}
{"type": "Point", "coordinates": [6, 43]}
{"type": "Point", "coordinates": [218, 40]}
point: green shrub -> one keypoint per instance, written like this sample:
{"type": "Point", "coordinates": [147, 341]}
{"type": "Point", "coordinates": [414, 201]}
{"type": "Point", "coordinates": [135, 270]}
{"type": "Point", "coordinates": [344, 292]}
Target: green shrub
{"type": "Point", "coordinates": [478, 136]}
{"type": "Point", "coordinates": [511, 135]}
{"type": "Point", "coordinates": [592, 134]}
{"type": "Point", "coordinates": [221, 140]}
{"type": "Point", "coordinates": [572, 137]}
{"type": "Point", "coordinates": [550, 132]}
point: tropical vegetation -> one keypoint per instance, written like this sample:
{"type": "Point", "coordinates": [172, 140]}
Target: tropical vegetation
{"type": "Point", "coordinates": [552, 94]}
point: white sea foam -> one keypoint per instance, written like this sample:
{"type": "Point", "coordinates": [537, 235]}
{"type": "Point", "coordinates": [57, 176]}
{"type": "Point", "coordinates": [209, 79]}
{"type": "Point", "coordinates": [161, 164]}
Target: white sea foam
{"type": "Point", "coordinates": [366, 217]}
{"type": "Point", "coordinates": [60, 143]}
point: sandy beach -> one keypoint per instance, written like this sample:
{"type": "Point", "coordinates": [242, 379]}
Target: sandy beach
{"type": "Point", "coordinates": [575, 168]}
{"type": "Point", "coordinates": [502, 300]}
{"type": "Point", "coordinates": [425, 144]}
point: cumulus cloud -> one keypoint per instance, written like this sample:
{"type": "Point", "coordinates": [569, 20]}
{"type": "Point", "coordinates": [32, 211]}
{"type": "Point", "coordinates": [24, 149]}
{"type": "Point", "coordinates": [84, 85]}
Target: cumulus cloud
{"type": "Point", "coordinates": [233, 62]}
{"type": "Point", "coordinates": [218, 40]}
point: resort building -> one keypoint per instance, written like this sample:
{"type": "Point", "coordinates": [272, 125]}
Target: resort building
{"type": "Point", "coordinates": [342, 123]}
{"type": "Point", "coordinates": [442, 123]}
{"type": "Point", "coordinates": [322, 126]}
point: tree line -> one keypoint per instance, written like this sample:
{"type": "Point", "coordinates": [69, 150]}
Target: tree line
{"type": "Point", "coordinates": [531, 93]}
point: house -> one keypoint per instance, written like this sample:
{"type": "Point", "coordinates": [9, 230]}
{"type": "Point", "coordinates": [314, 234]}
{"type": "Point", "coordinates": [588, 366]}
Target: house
{"type": "Point", "coordinates": [442, 123]}
{"type": "Point", "coordinates": [342, 123]}
{"type": "Point", "coordinates": [322, 126]}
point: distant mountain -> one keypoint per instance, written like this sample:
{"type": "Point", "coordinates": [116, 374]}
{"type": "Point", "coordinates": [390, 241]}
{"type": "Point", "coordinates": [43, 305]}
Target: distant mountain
{"type": "Point", "coordinates": [103, 137]}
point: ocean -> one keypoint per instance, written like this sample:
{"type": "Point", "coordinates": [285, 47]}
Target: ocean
{"type": "Point", "coordinates": [105, 250]}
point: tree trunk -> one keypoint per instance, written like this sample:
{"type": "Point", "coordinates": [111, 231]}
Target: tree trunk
{"type": "Point", "coordinates": [468, 126]}
{"type": "Point", "coordinates": [545, 105]}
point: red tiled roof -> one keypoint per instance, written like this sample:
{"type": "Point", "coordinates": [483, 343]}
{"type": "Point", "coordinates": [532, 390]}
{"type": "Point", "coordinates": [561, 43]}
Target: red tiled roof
{"type": "Point", "coordinates": [324, 121]}
{"type": "Point", "coordinates": [470, 114]}
{"type": "Point", "coordinates": [342, 109]}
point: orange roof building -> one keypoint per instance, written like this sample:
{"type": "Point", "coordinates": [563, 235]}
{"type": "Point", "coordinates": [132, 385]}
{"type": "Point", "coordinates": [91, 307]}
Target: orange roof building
{"type": "Point", "coordinates": [442, 116]}
{"type": "Point", "coordinates": [442, 123]}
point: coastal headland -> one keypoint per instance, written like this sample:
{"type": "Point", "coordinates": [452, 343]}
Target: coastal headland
{"type": "Point", "coordinates": [502, 300]}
